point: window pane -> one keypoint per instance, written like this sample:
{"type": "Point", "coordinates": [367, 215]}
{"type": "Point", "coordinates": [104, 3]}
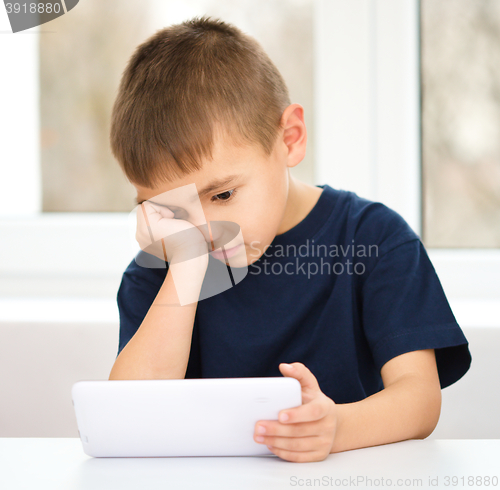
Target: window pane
{"type": "Point", "coordinates": [81, 61]}
{"type": "Point", "coordinates": [461, 122]}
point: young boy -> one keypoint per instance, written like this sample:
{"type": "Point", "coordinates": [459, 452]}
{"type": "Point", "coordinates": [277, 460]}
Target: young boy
{"type": "Point", "coordinates": [339, 292]}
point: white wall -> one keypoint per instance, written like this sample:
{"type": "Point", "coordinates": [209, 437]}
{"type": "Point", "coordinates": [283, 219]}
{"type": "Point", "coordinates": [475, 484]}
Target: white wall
{"type": "Point", "coordinates": [39, 362]}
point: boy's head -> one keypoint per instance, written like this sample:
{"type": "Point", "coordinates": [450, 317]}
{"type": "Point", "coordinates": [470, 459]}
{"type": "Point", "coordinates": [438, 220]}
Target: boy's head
{"type": "Point", "coordinates": [201, 101]}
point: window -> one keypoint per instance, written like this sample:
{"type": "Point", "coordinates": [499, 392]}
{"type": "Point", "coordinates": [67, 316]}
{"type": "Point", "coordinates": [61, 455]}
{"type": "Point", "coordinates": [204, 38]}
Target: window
{"type": "Point", "coordinates": [64, 203]}
{"type": "Point", "coordinates": [461, 122]}
{"type": "Point", "coordinates": [81, 62]}
{"type": "Point", "coordinates": [357, 62]}
{"type": "Point", "coordinates": [368, 124]}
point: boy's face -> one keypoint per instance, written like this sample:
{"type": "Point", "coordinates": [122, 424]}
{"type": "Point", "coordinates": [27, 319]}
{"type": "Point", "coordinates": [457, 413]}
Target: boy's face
{"type": "Point", "coordinates": [255, 198]}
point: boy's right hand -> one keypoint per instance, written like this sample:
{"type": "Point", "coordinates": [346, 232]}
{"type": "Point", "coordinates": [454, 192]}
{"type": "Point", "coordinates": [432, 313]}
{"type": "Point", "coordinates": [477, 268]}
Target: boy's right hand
{"type": "Point", "coordinates": [175, 240]}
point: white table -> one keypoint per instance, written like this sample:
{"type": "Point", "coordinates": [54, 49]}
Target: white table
{"type": "Point", "coordinates": [45, 463]}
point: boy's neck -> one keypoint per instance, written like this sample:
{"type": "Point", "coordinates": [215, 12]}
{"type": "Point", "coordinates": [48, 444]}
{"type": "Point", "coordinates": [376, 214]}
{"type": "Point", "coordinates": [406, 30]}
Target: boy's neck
{"type": "Point", "coordinates": [301, 200]}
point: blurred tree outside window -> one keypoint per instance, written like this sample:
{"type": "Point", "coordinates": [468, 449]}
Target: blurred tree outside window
{"type": "Point", "coordinates": [82, 57]}
{"type": "Point", "coordinates": [460, 62]}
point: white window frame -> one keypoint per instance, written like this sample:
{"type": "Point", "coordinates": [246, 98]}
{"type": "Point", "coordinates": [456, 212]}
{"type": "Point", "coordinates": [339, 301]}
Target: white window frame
{"type": "Point", "coordinates": [367, 132]}
{"type": "Point", "coordinates": [367, 139]}
{"type": "Point", "coordinates": [45, 255]}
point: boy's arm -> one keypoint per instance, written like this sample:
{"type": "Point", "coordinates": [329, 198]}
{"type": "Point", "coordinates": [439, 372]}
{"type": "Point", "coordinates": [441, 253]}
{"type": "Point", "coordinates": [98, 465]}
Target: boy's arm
{"type": "Point", "coordinates": [407, 408]}
{"type": "Point", "coordinates": [160, 348]}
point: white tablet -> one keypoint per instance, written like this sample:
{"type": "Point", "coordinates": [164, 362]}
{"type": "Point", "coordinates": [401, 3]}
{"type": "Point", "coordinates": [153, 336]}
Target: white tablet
{"type": "Point", "coordinates": [179, 417]}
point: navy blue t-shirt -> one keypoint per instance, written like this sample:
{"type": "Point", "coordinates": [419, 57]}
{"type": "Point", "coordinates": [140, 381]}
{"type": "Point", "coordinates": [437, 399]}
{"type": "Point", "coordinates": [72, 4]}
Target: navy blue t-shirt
{"type": "Point", "coordinates": [344, 291]}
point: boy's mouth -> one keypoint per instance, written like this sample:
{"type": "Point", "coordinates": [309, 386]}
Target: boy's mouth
{"type": "Point", "coordinates": [229, 252]}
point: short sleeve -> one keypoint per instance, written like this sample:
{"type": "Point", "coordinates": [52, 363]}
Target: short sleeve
{"type": "Point", "coordinates": [405, 309]}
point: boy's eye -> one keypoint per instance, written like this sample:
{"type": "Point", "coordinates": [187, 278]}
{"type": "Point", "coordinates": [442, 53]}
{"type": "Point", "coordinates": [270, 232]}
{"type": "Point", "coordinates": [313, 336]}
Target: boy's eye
{"type": "Point", "coordinates": [224, 196]}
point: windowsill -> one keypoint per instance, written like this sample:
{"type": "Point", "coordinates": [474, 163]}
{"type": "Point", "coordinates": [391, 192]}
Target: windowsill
{"type": "Point", "coordinates": [58, 310]}
{"type": "Point", "coordinates": [476, 313]}
{"type": "Point", "coordinates": [470, 313]}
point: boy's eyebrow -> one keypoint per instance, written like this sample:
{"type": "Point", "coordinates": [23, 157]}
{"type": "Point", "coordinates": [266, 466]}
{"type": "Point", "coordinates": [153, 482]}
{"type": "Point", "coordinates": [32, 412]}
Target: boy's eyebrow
{"type": "Point", "coordinates": [214, 185]}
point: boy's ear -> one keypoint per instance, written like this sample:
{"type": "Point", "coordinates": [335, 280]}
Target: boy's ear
{"type": "Point", "coordinates": [294, 133]}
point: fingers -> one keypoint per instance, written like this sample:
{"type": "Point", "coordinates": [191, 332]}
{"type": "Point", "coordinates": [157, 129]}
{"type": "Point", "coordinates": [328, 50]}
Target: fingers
{"type": "Point", "coordinates": [314, 447]}
{"type": "Point", "coordinates": [163, 211]}
{"type": "Point", "coordinates": [310, 443]}
{"type": "Point", "coordinates": [314, 410]}
{"type": "Point", "coordinates": [148, 217]}
{"type": "Point", "coordinates": [275, 428]}
{"type": "Point", "coordinates": [145, 234]}
{"type": "Point", "coordinates": [306, 420]}
{"type": "Point", "coordinates": [304, 433]}
{"type": "Point", "coordinates": [148, 232]}
{"type": "Point", "coordinates": [298, 371]}
{"type": "Point", "coordinates": [299, 442]}
{"type": "Point", "coordinates": [299, 456]}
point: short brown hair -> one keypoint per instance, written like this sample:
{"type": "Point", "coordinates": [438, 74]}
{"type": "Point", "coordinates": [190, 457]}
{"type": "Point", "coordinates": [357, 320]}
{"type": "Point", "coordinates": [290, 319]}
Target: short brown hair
{"type": "Point", "coordinates": [185, 85]}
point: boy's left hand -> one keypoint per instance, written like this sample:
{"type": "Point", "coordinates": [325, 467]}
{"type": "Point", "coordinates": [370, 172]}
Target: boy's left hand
{"type": "Point", "coordinates": [309, 431]}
